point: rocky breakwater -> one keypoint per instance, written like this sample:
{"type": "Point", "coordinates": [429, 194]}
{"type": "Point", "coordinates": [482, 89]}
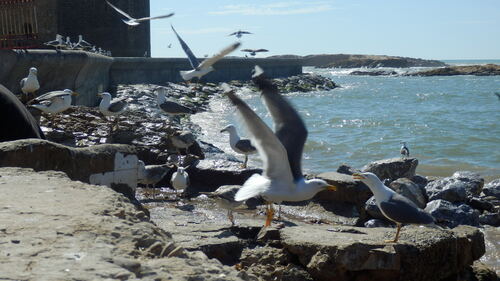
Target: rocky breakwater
{"type": "Point", "coordinates": [477, 70]}
{"type": "Point", "coordinates": [339, 236]}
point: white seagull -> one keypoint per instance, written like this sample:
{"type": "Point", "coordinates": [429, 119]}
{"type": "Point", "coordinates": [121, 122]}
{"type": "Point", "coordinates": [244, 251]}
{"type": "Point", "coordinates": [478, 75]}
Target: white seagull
{"type": "Point", "coordinates": [29, 84]}
{"type": "Point", "coordinates": [224, 197]}
{"type": "Point", "coordinates": [281, 152]}
{"type": "Point", "coordinates": [394, 206]}
{"type": "Point", "coordinates": [200, 69]}
{"type": "Point", "coordinates": [110, 107]}
{"type": "Point", "coordinates": [241, 146]}
{"type": "Point", "coordinates": [82, 44]}
{"type": "Point", "coordinates": [53, 102]}
{"type": "Point", "coordinates": [405, 151]}
{"type": "Point", "coordinates": [58, 43]}
{"type": "Point", "coordinates": [180, 179]}
{"type": "Point", "coordinates": [169, 107]}
{"type": "Point", "coordinates": [133, 21]}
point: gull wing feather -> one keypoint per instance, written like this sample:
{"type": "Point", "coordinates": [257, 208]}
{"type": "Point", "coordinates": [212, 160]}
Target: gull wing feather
{"type": "Point", "coordinates": [210, 61]}
{"type": "Point", "coordinates": [289, 126]}
{"type": "Point", "coordinates": [49, 96]}
{"type": "Point", "coordinates": [120, 11]}
{"type": "Point", "coordinates": [117, 105]}
{"type": "Point", "coordinates": [192, 58]}
{"type": "Point", "coordinates": [271, 151]}
{"type": "Point", "coordinates": [401, 209]}
{"type": "Point", "coordinates": [153, 18]}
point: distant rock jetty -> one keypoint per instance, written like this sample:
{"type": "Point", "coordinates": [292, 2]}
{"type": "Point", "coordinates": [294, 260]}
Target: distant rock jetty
{"type": "Point", "coordinates": [355, 61]}
{"type": "Point", "coordinates": [477, 70]}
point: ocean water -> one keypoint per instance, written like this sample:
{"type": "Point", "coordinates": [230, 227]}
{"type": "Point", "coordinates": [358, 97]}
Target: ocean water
{"type": "Point", "coordinates": [450, 123]}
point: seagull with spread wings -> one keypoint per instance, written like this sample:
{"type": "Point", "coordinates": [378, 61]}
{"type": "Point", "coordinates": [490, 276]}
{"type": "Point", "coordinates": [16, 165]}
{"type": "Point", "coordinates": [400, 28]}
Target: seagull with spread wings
{"type": "Point", "coordinates": [200, 69]}
{"type": "Point", "coordinates": [280, 151]}
{"type": "Point", "coordinates": [239, 33]}
{"type": "Point", "coordinates": [133, 21]}
{"type": "Point", "coordinates": [254, 52]}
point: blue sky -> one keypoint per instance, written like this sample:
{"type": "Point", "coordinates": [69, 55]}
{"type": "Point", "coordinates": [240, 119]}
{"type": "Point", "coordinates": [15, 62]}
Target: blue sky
{"type": "Point", "coordinates": [437, 29]}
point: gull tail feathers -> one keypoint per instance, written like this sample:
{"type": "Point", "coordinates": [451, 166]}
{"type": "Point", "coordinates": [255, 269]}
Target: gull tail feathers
{"type": "Point", "coordinates": [254, 186]}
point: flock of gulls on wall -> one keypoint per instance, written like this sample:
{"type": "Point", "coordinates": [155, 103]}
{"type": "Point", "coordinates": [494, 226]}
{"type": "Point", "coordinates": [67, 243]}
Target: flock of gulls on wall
{"type": "Point", "coordinates": [280, 150]}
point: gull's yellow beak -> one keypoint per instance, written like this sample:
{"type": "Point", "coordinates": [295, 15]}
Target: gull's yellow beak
{"type": "Point", "coordinates": [75, 94]}
{"type": "Point", "coordinates": [99, 95]}
{"type": "Point", "coordinates": [357, 176]}
{"type": "Point", "coordinates": [331, 188]}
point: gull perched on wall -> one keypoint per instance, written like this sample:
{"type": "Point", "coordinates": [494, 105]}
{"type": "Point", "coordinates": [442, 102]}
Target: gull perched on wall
{"type": "Point", "coordinates": [82, 44]}
{"type": "Point", "coordinates": [58, 43]}
{"type": "Point", "coordinates": [200, 69]}
{"type": "Point", "coordinates": [29, 84]}
{"type": "Point", "coordinates": [133, 21]}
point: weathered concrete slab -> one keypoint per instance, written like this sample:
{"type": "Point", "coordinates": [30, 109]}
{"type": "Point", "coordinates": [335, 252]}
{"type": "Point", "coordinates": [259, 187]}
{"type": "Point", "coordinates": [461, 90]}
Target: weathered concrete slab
{"type": "Point", "coordinates": [54, 229]}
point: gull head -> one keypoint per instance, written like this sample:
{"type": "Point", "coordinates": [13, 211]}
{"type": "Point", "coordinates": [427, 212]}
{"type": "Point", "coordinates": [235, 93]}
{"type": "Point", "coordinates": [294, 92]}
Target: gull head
{"type": "Point", "coordinates": [229, 128]}
{"type": "Point", "coordinates": [320, 185]}
{"type": "Point", "coordinates": [104, 95]}
{"type": "Point", "coordinates": [33, 70]}
{"type": "Point", "coordinates": [369, 179]}
{"type": "Point", "coordinates": [70, 92]}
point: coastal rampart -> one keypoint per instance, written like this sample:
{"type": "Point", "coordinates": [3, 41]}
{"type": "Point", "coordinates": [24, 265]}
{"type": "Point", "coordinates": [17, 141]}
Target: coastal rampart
{"type": "Point", "coordinates": [89, 73]}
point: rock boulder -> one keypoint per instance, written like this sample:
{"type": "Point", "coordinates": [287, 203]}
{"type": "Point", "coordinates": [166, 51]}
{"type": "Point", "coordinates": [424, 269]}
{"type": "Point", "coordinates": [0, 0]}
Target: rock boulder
{"type": "Point", "coordinates": [410, 190]}
{"type": "Point", "coordinates": [452, 214]}
{"type": "Point", "coordinates": [492, 189]}
{"type": "Point", "coordinates": [457, 188]}
{"type": "Point", "coordinates": [393, 168]}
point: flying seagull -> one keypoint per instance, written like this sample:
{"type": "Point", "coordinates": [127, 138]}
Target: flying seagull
{"type": "Point", "coordinates": [254, 52]}
{"type": "Point", "coordinates": [200, 69]}
{"type": "Point", "coordinates": [82, 44]}
{"type": "Point", "coordinates": [281, 152]}
{"type": "Point", "coordinates": [29, 84]}
{"type": "Point", "coordinates": [498, 95]}
{"type": "Point", "coordinates": [241, 146]}
{"type": "Point", "coordinates": [58, 43]}
{"type": "Point", "coordinates": [133, 21]}
{"type": "Point", "coordinates": [239, 33]}
{"type": "Point", "coordinates": [405, 151]}
{"type": "Point", "coordinates": [393, 206]}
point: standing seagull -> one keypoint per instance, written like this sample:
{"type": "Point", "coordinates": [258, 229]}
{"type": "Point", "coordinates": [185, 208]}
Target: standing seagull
{"type": "Point", "coordinates": [180, 179]}
{"type": "Point", "coordinates": [393, 206]}
{"type": "Point", "coordinates": [281, 153]}
{"type": "Point", "coordinates": [239, 33]}
{"type": "Point", "coordinates": [224, 197]}
{"type": "Point", "coordinates": [169, 107]}
{"type": "Point", "coordinates": [200, 69]}
{"type": "Point", "coordinates": [53, 102]}
{"type": "Point", "coordinates": [29, 84]}
{"type": "Point", "coordinates": [133, 21]}
{"type": "Point", "coordinates": [405, 151]}
{"type": "Point", "coordinates": [110, 107]}
{"type": "Point", "coordinates": [241, 146]}
{"type": "Point", "coordinates": [151, 174]}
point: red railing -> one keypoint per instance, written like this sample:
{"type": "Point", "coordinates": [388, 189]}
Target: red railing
{"type": "Point", "coordinates": [18, 24]}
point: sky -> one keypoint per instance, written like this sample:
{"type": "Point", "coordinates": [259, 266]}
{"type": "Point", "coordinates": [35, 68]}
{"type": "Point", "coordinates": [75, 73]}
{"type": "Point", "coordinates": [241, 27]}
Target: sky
{"type": "Point", "coordinates": [429, 29]}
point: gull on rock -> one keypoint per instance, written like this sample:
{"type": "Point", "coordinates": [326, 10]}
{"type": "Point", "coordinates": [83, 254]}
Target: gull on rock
{"type": "Point", "coordinates": [224, 197]}
{"type": "Point", "coordinates": [133, 21]}
{"type": "Point", "coordinates": [241, 146]}
{"type": "Point", "coordinates": [53, 102]}
{"type": "Point", "coordinates": [200, 69]}
{"type": "Point", "coordinates": [151, 174]}
{"type": "Point", "coordinates": [29, 84]}
{"type": "Point", "coordinates": [394, 206]}
{"type": "Point", "coordinates": [169, 107]}
{"type": "Point", "coordinates": [405, 151]}
{"type": "Point", "coordinates": [180, 179]}
{"type": "Point", "coordinates": [281, 151]}
{"type": "Point", "coordinates": [111, 107]}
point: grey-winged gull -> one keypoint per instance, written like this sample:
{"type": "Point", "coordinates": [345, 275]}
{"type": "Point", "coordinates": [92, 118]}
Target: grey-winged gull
{"type": "Point", "coordinates": [281, 152]}
{"type": "Point", "coordinates": [254, 52]}
{"type": "Point", "coordinates": [241, 146]}
{"type": "Point", "coordinates": [111, 107]}
{"type": "Point", "coordinates": [393, 206]}
{"type": "Point", "coordinates": [182, 140]}
{"type": "Point", "coordinates": [82, 44]}
{"type": "Point", "coordinates": [405, 151]}
{"type": "Point", "coordinates": [180, 179]}
{"type": "Point", "coordinates": [239, 33]}
{"type": "Point", "coordinates": [58, 43]}
{"type": "Point", "coordinates": [151, 174]}
{"type": "Point", "coordinates": [29, 84]}
{"type": "Point", "coordinates": [169, 107]}
{"type": "Point", "coordinates": [200, 69]}
{"type": "Point", "coordinates": [133, 21]}
{"type": "Point", "coordinates": [53, 102]}
{"type": "Point", "coordinates": [224, 197]}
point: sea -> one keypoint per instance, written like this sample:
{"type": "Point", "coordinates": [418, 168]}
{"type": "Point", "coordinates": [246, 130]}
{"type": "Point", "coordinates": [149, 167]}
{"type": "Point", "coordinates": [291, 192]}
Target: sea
{"type": "Point", "coordinates": [449, 123]}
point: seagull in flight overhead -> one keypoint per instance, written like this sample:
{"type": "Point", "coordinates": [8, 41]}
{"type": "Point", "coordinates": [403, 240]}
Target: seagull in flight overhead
{"type": "Point", "coordinates": [133, 21]}
{"type": "Point", "coordinates": [200, 69]}
{"type": "Point", "coordinates": [280, 151]}
{"type": "Point", "coordinates": [239, 33]}
{"type": "Point", "coordinates": [253, 52]}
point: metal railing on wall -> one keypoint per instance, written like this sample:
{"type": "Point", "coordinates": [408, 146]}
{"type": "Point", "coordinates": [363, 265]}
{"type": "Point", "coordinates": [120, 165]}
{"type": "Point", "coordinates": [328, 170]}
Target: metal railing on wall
{"type": "Point", "coordinates": [18, 24]}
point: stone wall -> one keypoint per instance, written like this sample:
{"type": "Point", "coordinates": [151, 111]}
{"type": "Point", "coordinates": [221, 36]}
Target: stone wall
{"type": "Point", "coordinates": [89, 74]}
{"type": "Point", "coordinates": [161, 70]}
